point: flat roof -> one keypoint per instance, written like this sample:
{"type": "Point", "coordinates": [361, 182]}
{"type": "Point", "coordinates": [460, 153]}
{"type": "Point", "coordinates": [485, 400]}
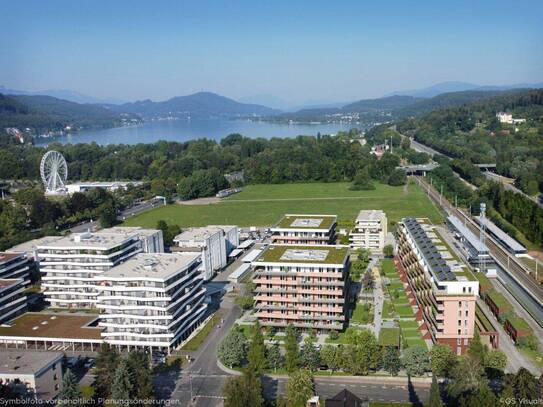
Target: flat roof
{"type": "Point", "coordinates": [62, 326]}
{"type": "Point", "coordinates": [197, 234]}
{"type": "Point", "coordinates": [318, 254]}
{"type": "Point", "coordinates": [151, 265]}
{"type": "Point", "coordinates": [473, 240]}
{"type": "Point", "coordinates": [245, 244]}
{"type": "Point", "coordinates": [240, 271]}
{"type": "Point", "coordinates": [132, 229]}
{"type": "Point", "coordinates": [296, 222]}
{"type": "Point", "coordinates": [501, 235]}
{"type": "Point", "coordinates": [252, 255]}
{"type": "Point", "coordinates": [27, 361]}
{"type": "Point", "coordinates": [103, 183]}
{"type": "Point", "coordinates": [437, 265]}
{"type": "Point", "coordinates": [106, 239]}
{"type": "Point", "coordinates": [370, 214]}
{"type": "Point", "coordinates": [30, 246]}
{"type": "Point", "coordinates": [235, 253]}
{"type": "Point", "coordinates": [5, 257]}
{"type": "Point", "coordinates": [5, 282]}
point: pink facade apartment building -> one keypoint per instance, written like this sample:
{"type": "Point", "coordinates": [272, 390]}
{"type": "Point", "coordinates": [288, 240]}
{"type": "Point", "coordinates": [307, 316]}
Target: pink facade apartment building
{"type": "Point", "coordinates": [305, 229]}
{"type": "Point", "coordinates": [440, 285]}
{"type": "Point", "coordinates": [305, 286]}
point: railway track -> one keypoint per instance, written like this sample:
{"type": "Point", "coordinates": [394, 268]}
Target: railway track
{"type": "Point", "coordinates": [508, 262]}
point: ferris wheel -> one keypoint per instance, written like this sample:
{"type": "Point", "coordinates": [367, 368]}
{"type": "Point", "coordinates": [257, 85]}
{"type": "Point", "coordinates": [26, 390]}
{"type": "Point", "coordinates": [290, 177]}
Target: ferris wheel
{"type": "Point", "coordinates": [54, 171]}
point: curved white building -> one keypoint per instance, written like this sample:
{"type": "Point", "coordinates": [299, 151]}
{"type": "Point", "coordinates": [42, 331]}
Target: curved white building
{"type": "Point", "coordinates": [69, 264]}
{"type": "Point", "coordinates": [152, 300]}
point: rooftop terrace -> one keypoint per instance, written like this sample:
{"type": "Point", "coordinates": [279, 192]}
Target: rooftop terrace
{"type": "Point", "coordinates": [296, 222]}
{"type": "Point", "coordinates": [151, 265]}
{"type": "Point", "coordinates": [304, 254]}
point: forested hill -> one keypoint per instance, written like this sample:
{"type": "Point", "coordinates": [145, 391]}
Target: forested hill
{"type": "Point", "coordinates": [472, 133]}
{"type": "Point", "coordinates": [44, 114]}
{"type": "Point", "coordinates": [201, 105]}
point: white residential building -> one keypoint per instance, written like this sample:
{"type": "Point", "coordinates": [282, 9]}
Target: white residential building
{"type": "Point", "coordinates": [12, 299]}
{"type": "Point", "coordinates": [231, 234]}
{"type": "Point", "coordinates": [68, 264]}
{"type": "Point", "coordinates": [504, 117]}
{"type": "Point", "coordinates": [302, 229]}
{"type": "Point", "coordinates": [34, 373]}
{"type": "Point", "coordinates": [370, 231]}
{"type": "Point", "coordinates": [15, 265]}
{"type": "Point", "coordinates": [152, 300]}
{"type": "Point", "coordinates": [210, 242]}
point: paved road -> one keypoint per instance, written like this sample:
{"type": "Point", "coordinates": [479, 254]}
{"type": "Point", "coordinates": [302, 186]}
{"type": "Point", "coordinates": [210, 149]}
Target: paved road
{"type": "Point", "coordinates": [127, 213]}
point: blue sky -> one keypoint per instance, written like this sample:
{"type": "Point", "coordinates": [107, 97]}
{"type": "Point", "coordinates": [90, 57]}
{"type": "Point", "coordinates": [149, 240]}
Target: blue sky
{"type": "Point", "coordinates": [299, 51]}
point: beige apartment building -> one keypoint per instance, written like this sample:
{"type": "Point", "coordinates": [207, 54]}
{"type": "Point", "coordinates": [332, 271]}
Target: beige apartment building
{"type": "Point", "coordinates": [305, 229]}
{"type": "Point", "coordinates": [304, 286]}
{"type": "Point", "coordinates": [439, 284]}
{"type": "Point", "coordinates": [370, 231]}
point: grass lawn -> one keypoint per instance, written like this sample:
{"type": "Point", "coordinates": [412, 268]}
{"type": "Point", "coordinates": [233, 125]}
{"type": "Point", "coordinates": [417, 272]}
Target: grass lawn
{"type": "Point", "coordinates": [264, 205]}
{"type": "Point", "coordinates": [407, 324]}
{"type": "Point", "coordinates": [199, 338]}
{"type": "Point", "coordinates": [404, 310]}
{"type": "Point", "coordinates": [534, 355]}
{"type": "Point", "coordinates": [400, 301]}
{"type": "Point", "coordinates": [389, 268]}
{"type": "Point", "coordinates": [411, 333]}
{"type": "Point", "coordinates": [362, 314]}
{"type": "Point", "coordinates": [388, 312]}
{"type": "Point", "coordinates": [416, 342]}
{"type": "Point", "coordinates": [342, 339]}
{"type": "Point", "coordinates": [389, 337]}
{"type": "Point", "coordinates": [396, 285]}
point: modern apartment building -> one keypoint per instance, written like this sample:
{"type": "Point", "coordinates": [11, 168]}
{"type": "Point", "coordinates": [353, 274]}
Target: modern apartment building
{"type": "Point", "coordinates": [210, 242]}
{"type": "Point", "coordinates": [304, 286]}
{"type": "Point", "coordinates": [305, 229]}
{"type": "Point", "coordinates": [69, 264]}
{"type": "Point", "coordinates": [231, 236]}
{"type": "Point", "coordinates": [151, 300]}
{"type": "Point", "coordinates": [439, 284]}
{"type": "Point", "coordinates": [15, 265]}
{"type": "Point", "coordinates": [370, 231]}
{"type": "Point", "coordinates": [12, 299]}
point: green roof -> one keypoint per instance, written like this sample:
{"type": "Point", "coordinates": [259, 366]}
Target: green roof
{"type": "Point", "coordinates": [485, 323]}
{"type": "Point", "coordinates": [287, 220]}
{"type": "Point", "coordinates": [274, 253]}
{"type": "Point", "coordinates": [389, 337]}
{"type": "Point", "coordinates": [519, 324]}
{"type": "Point", "coordinates": [483, 281]}
{"type": "Point", "coordinates": [498, 299]}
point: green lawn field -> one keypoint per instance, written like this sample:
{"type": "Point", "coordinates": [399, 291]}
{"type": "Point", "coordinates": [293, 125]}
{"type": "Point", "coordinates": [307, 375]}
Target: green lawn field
{"type": "Point", "coordinates": [263, 205]}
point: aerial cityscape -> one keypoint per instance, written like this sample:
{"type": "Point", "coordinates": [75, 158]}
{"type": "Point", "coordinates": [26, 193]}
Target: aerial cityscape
{"type": "Point", "coordinates": [258, 204]}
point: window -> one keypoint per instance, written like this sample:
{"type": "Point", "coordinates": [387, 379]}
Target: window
{"type": "Point", "coordinates": [460, 304]}
{"type": "Point", "coordinates": [466, 313]}
{"type": "Point", "coordinates": [459, 313]}
{"type": "Point", "coordinates": [459, 322]}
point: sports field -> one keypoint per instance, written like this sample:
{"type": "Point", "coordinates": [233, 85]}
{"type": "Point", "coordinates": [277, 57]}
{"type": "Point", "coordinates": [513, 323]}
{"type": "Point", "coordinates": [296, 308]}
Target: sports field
{"type": "Point", "coordinates": [263, 205]}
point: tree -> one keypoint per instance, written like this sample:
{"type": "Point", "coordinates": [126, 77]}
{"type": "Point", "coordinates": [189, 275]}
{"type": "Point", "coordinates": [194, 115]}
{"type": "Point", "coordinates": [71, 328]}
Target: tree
{"type": "Point", "coordinates": [525, 385]}
{"type": "Point", "coordinates": [362, 181]}
{"type": "Point", "coordinates": [69, 393]}
{"type": "Point", "coordinates": [391, 360]}
{"type": "Point", "coordinates": [442, 359]}
{"type": "Point", "coordinates": [388, 250]}
{"type": "Point", "coordinates": [299, 388]}
{"type": "Point", "coordinates": [233, 349]}
{"type": "Point", "coordinates": [415, 360]}
{"type": "Point", "coordinates": [310, 357]}
{"type": "Point", "coordinates": [467, 377]}
{"type": "Point", "coordinates": [273, 356]}
{"type": "Point", "coordinates": [495, 360]}
{"type": "Point", "coordinates": [242, 391]}
{"type": "Point", "coordinates": [330, 356]}
{"type": "Point", "coordinates": [435, 397]}
{"type": "Point", "coordinates": [138, 363]}
{"type": "Point", "coordinates": [476, 348]}
{"type": "Point", "coordinates": [106, 362]}
{"type": "Point", "coordinates": [292, 352]}
{"type": "Point", "coordinates": [256, 355]}
{"type": "Point", "coordinates": [397, 177]}
{"type": "Point", "coordinates": [107, 214]}
{"type": "Point", "coordinates": [540, 387]}
{"type": "Point", "coordinates": [122, 388]}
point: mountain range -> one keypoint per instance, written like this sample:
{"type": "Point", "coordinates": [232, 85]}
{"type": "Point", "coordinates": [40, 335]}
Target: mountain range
{"type": "Point", "coordinates": [201, 104]}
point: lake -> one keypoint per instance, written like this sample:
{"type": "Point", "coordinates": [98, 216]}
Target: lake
{"type": "Point", "coordinates": [184, 130]}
